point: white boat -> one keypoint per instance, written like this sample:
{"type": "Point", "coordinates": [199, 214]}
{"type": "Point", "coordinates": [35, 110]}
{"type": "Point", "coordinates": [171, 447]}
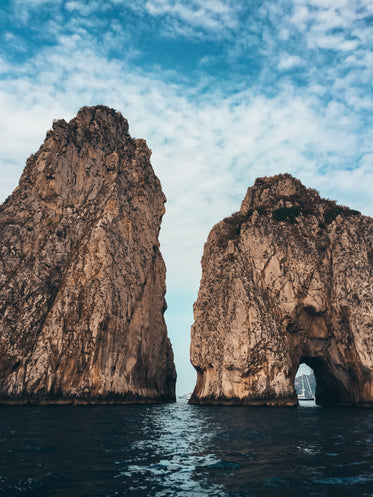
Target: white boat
{"type": "Point", "coordinates": [306, 391]}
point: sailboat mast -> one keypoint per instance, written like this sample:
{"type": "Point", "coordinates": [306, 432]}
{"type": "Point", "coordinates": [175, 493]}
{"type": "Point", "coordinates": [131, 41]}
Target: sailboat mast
{"type": "Point", "coordinates": [309, 387]}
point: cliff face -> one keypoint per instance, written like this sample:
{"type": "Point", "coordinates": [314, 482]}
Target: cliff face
{"type": "Point", "coordinates": [286, 280]}
{"type": "Point", "coordinates": [82, 280]}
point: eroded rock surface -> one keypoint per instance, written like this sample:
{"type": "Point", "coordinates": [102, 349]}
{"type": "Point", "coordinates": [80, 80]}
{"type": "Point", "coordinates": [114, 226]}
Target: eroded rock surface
{"type": "Point", "coordinates": [286, 280]}
{"type": "Point", "coordinates": [82, 280]}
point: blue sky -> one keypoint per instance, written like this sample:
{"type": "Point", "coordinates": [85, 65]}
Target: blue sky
{"type": "Point", "coordinates": [222, 91]}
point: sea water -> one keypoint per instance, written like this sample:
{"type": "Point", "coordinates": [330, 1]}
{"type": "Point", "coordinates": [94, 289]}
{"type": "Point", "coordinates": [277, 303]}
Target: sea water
{"type": "Point", "coordinates": [181, 450]}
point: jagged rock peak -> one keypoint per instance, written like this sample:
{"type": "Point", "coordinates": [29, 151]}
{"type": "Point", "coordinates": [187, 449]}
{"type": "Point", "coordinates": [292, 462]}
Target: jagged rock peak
{"type": "Point", "coordinates": [98, 123]}
{"type": "Point", "coordinates": [91, 149]}
{"type": "Point", "coordinates": [274, 189]}
{"type": "Point", "coordinates": [283, 191]}
{"type": "Point", "coordinates": [286, 280]}
{"type": "Point", "coordinates": [82, 280]}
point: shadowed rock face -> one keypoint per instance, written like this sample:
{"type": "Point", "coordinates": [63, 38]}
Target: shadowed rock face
{"type": "Point", "coordinates": [82, 280]}
{"type": "Point", "coordinates": [286, 280]}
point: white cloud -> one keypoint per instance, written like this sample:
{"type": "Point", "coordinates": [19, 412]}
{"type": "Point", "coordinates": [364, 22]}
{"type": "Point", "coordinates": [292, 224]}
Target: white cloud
{"type": "Point", "coordinates": [23, 8]}
{"type": "Point", "coordinates": [333, 42]}
{"type": "Point", "coordinates": [14, 42]}
{"type": "Point", "coordinates": [189, 18]}
{"type": "Point", "coordinates": [85, 9]}
{"type": "Point", "coordinates": [284, 34]}
{"type": "Point", "coordinates": [289, 61]}
{"type": "Point", "coordinates": [301, 17]}
{"type": "Point", "coordinates": [4, 67]}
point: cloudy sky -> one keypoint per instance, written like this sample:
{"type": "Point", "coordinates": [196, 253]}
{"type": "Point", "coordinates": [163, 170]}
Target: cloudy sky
{"type": "Point", "coordinates": [223, 91]}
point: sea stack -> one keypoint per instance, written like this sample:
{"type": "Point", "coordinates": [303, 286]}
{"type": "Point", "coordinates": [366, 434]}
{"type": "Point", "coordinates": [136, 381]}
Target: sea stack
{"type": "Point", "coordinates": [286, 280]}
{"type": "Point", "coordinates": [82, 279]}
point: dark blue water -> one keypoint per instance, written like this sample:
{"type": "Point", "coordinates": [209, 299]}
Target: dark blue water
{"type": "Point", "coordinates": [181, 450]}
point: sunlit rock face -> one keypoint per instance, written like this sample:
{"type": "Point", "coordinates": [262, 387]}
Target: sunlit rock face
{"type": "Point", "coordinates": [286, 280]}
{"type": "Point", "coordinates": [82, 280]}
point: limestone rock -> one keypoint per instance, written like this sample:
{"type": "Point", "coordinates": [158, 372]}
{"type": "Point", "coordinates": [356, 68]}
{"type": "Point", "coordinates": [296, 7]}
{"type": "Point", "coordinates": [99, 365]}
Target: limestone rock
{"type": "Point", "coordinates": [286, 280]}
{"type": "Point", "coordinates": [82, 280]}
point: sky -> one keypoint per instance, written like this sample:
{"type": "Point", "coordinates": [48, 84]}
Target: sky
{"type": "Point", "coordinates": [222, 91]}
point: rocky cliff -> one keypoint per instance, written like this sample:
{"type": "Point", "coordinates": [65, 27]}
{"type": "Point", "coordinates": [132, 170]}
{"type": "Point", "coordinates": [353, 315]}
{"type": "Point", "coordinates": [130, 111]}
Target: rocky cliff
{"type": "Point", "coordinates": [287, 279]}
{"type": "Point", "coordinates": [82, 280]}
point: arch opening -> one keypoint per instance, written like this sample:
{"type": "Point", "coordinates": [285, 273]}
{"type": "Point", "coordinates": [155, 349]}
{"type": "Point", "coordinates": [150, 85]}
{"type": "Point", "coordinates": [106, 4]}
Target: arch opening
{"type": "Point", "coordinates": [305, 385]}
{"type": "Point", "coordinates": [330, 382]}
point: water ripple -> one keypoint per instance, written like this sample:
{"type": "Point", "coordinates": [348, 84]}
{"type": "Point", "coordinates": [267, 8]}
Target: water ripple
{"type": "Point", "coordinates": [180, 450]}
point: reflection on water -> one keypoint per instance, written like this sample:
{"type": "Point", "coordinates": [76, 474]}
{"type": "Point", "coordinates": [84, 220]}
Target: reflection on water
{"type": "Point", "coordinates": [170, 456]}
{"type": "Point", "coordinates": [181, 450]}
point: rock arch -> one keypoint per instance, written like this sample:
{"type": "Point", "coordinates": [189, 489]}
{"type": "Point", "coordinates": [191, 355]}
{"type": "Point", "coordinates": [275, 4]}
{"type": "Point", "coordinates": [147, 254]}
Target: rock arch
{"type": "Point", "coordinates": [287, 279]}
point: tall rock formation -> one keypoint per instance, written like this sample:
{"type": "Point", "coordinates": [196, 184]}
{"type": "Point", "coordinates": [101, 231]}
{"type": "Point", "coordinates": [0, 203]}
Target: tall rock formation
{"type": "Point", "coordinates": [82, 280]}
{"type": "Point", "coordinates": [288, 279]}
